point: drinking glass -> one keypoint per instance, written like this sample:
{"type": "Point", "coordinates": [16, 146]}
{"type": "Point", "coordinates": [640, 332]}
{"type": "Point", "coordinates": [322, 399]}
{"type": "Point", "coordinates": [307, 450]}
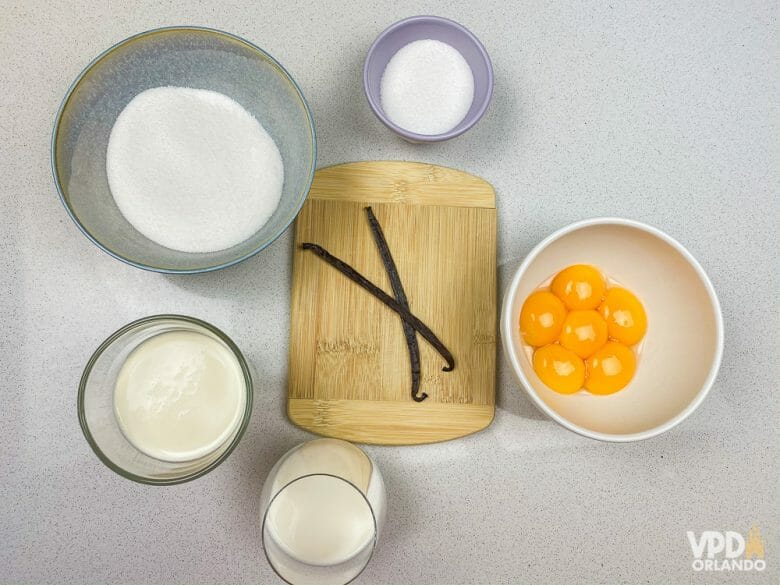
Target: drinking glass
{"type": "Point", "coordinates": [322, 508]}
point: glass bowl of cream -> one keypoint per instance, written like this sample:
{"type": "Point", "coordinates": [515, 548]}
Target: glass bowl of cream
{"type": "Point", "coordinates": [165, 399]}
{"type": "Point", "coordinates": [183, 150]}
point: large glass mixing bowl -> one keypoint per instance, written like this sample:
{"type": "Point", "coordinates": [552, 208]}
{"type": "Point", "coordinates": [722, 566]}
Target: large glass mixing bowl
{"type": "Point", "coordinates": [186, 57]}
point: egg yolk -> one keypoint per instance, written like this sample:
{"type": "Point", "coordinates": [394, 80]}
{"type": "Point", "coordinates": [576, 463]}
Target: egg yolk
{"type": "Point", "coordinates": [579, 286]}
{"type": "Point", "coordinates": [541, 318]}
{"type": "Point", "coordinates": [610, 369]}
{"type": "Point", "coordinates": [559, 368]}
{"type": "Point", "coordinates": [625, 316]}
{"type": "Point", "coordinates": [583, 332]}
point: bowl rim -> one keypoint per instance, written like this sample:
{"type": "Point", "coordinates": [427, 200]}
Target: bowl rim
{"type": "Point", "coordinates": [202, 29]}
{"type": "Point", "coordinates": [507, 323]}
{"type": "Point", "coordinates": [413, 136]}
{"type": "Point", "coordinates": [107, 461]}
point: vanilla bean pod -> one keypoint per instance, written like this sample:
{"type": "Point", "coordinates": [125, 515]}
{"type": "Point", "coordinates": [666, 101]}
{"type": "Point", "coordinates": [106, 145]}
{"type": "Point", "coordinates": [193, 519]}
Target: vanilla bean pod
{"type": "Point", "coordinates": [403, 312]}
{"type": "Point", "coordinates": [400, 295]}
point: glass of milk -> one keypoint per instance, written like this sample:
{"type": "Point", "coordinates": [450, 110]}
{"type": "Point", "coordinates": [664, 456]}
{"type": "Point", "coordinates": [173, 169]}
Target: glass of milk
{"type": "Point", "coordinates": [165, 399]}
{"type": "Point", "coordinates": [323, 507]}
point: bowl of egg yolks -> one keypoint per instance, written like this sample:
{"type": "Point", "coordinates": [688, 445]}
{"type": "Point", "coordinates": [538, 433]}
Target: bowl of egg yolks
{"type": "Point", "coordinates": [613, 329]}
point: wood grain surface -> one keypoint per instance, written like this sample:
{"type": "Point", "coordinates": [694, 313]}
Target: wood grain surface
{"type": "Point", "coordinates": [349, 366]}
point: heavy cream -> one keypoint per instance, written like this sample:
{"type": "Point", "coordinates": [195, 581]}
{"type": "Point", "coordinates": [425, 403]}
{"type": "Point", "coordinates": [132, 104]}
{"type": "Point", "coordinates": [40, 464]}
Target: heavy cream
{"type": "Point", "coordinates": [179, 395]}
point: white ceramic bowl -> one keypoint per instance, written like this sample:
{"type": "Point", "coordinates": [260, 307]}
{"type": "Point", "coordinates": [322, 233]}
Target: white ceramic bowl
{"type": "Point", "coordinates": [681, 351]}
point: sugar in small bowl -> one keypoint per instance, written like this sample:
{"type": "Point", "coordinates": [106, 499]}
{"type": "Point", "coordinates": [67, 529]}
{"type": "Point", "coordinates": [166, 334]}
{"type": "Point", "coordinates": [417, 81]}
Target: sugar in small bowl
{"type": "Point", "coordinates": [428, 79]}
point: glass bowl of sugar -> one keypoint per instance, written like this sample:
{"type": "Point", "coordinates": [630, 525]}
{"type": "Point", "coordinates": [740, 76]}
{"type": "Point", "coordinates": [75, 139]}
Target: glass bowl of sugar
{"type": "Point", "coordinates": [428, 78]}
{"type": "Point", "coordinates": [183, 150]}
{"type": "Point", "coordinates": [165, 399]}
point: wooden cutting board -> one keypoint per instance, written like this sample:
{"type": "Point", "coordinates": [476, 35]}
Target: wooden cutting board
{"type": "Point", "coordinates": [349, 364]}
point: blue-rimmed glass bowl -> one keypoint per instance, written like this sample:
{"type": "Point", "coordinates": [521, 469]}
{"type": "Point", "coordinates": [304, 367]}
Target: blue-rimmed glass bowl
{"type": "Point", "coordinates": [188, 57]}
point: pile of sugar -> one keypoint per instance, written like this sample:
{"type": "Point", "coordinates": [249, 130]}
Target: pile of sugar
{"type": "Point", "coordinates": [192, 170]}
{"type": "Point", "coordinates": [427, 87]}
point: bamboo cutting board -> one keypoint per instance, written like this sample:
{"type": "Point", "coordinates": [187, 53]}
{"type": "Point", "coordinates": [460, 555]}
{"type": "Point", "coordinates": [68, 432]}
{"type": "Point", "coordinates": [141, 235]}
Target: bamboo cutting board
{"type": "Point", "coordinates": [349, 364]}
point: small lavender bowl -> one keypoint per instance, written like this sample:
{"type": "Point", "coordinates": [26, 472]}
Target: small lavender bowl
{"type": "Point", "coordinates": [418, 28]}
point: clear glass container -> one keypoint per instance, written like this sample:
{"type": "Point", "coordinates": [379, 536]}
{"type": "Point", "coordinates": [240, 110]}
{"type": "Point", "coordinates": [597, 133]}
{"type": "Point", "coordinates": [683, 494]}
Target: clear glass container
{"type": "Point", "coordinates": [322, 508]}
{"type": "Point", "coordinates": [181, 56]}
{"type": "Point", "coordinates": [96, 404]}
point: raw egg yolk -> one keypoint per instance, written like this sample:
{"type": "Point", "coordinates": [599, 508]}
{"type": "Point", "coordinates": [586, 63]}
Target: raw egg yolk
{"type": "Point", "coordinates": [541, 318]}
{"type": "Point", "coordinates": [559, 368]}
{"type": "Point", "coordinates": [610, 369]}
{"type": "Point", "coordinates": [579, 286]}
{"type": "Point", "coordinates": [583, 332]}
{"type": "Point", "coordinates": [625, 316]}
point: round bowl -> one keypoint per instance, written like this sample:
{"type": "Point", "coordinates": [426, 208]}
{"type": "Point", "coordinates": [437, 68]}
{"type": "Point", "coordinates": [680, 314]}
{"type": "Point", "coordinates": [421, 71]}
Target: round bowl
{"type": "Point", "coordinates": [96, 404]}
{"type": "Point", "coordinates": [680, 354]}
{"type": "Point", "coordinates": [188, 57]}
{"type": "Point", "coordinates": [418, 28]}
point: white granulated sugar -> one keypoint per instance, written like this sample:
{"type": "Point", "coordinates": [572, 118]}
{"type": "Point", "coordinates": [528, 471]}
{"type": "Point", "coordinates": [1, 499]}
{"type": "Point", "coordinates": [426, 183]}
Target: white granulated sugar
{"type": "Point", "coordinates": [427, 87]}
{"type": "Point", "coordinates": [192, 170]}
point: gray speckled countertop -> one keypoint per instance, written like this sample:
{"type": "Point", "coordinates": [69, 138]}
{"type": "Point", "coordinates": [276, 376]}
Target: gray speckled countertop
{"type": "Point", "coordinates": [664, 114]}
